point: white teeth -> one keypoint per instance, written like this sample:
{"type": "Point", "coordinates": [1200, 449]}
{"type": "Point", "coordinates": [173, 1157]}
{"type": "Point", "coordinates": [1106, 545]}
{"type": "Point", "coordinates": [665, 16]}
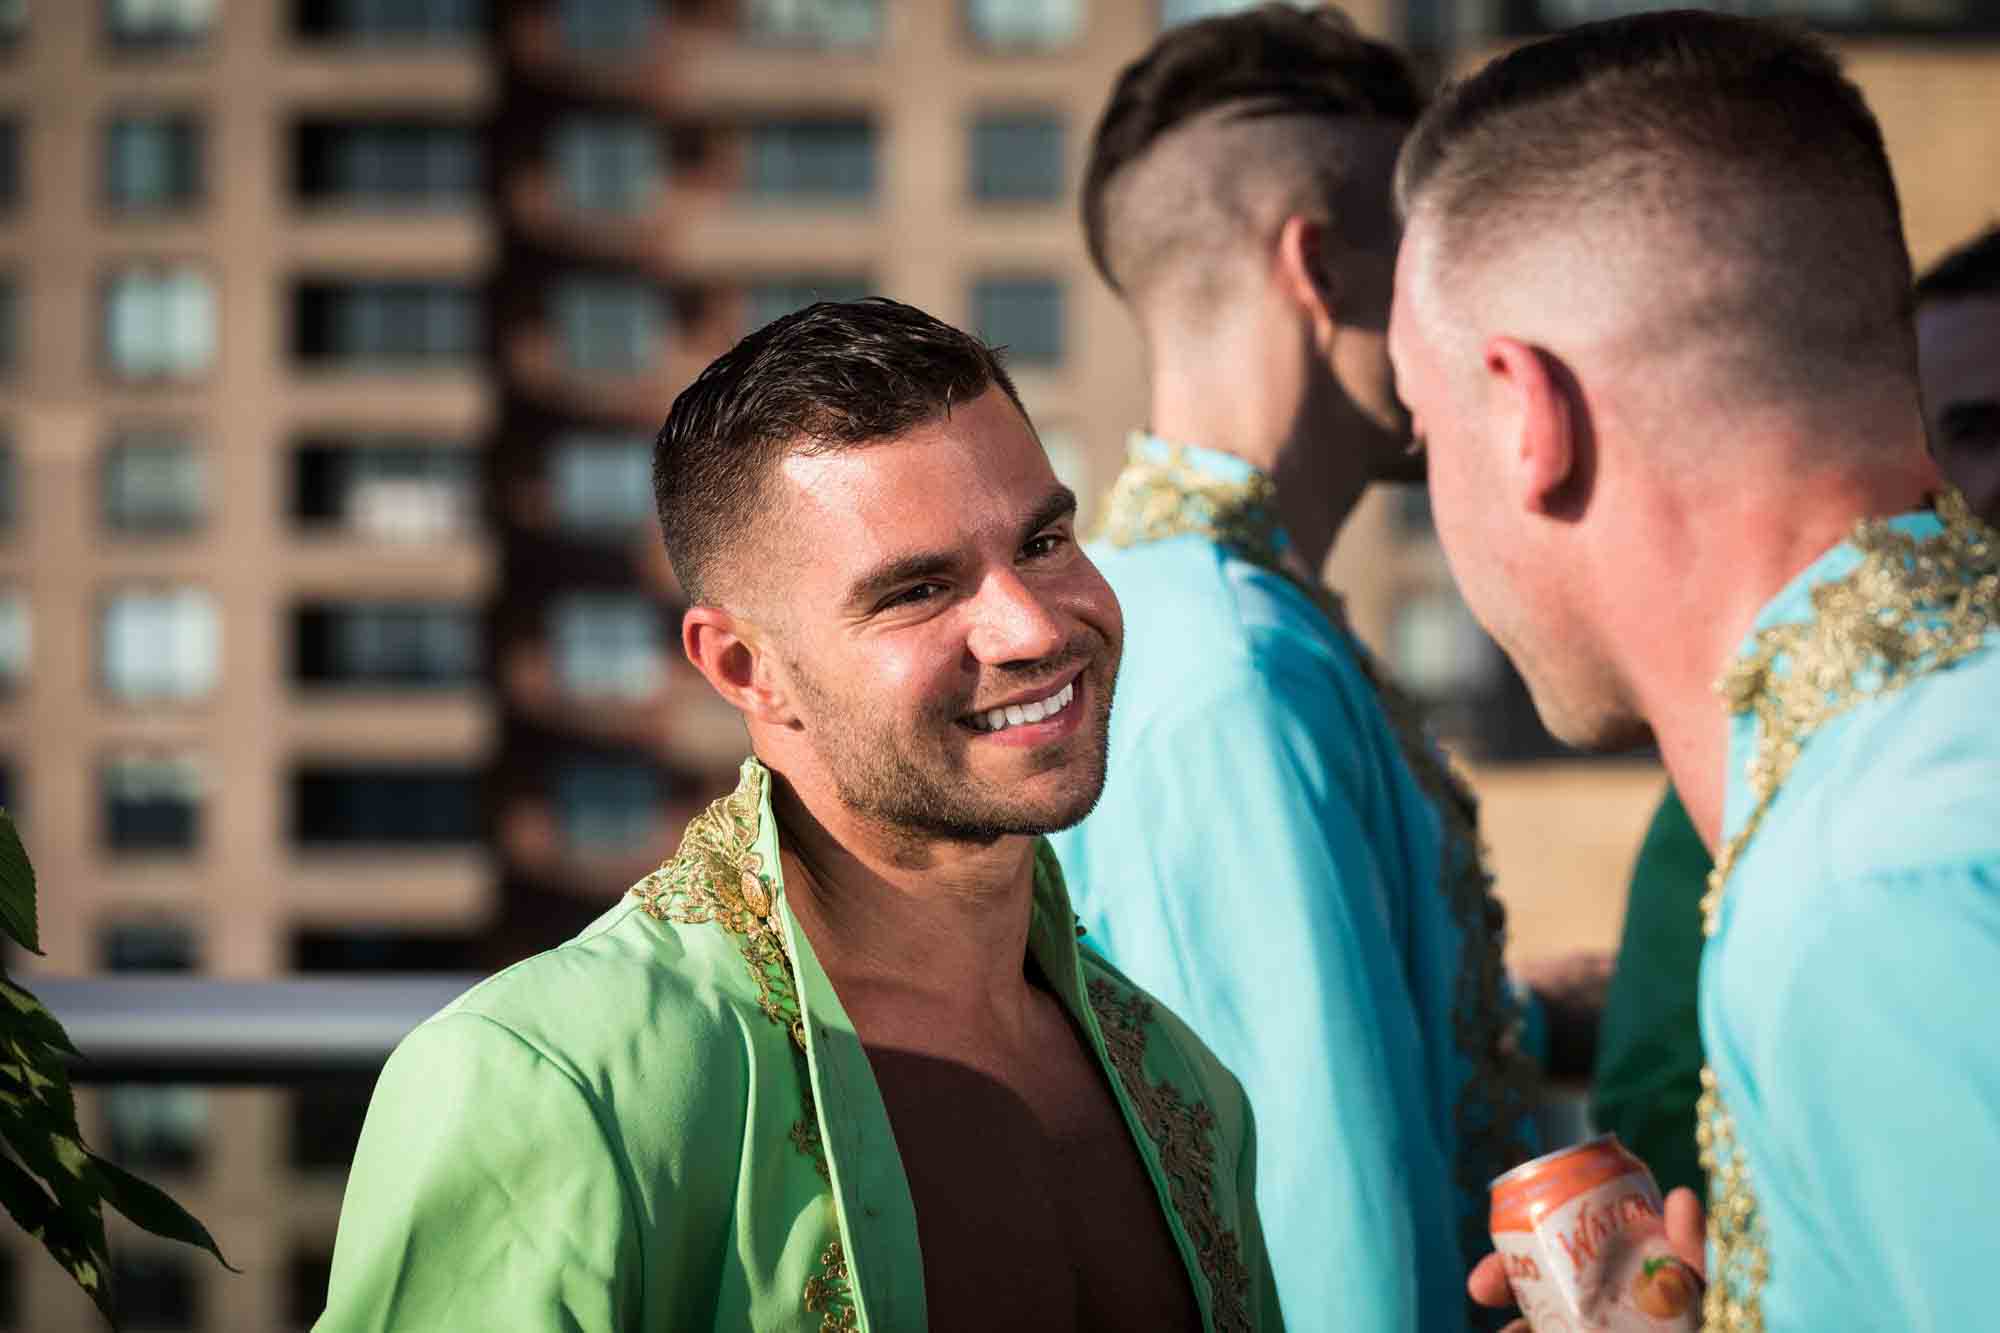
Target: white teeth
{"type": "Point", "coordinates": [1015, 715]}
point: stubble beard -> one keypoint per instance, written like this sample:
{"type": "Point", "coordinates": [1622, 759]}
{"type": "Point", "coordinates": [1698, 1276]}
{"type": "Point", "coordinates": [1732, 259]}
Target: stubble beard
{"type": "Point", "coordinates": [908, 779]}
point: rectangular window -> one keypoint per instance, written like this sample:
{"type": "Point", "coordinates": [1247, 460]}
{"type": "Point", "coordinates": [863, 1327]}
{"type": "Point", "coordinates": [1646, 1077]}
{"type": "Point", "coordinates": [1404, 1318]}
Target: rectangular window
{"type": "Point", "coordinates": [308, 1275]}
{"type": "Point", "coordinates": [603, 484]}
{"type": "Point", "coordinates": [1023, 315]}
{"type": "Point", "coordinates": [152, 803]}
{"type": "Point", "coordinates": [827, 161]}
{"type": "Point", "coordinates": [155, 944]}
{"type": "Point", "coordinates": [387, 164]}
{"type": "Point", "coordinates": [152, 163]}
{"type": "Point", "coordinates": [843, 24]}
{"type": "Point", "coordinates": [156, 1289]}
{"type": "Point", "coordinates": [10, 325]}
{"type": "Point", "coordinates": [385, 645]}
{"type": "Point", "coordinates": [10, 482]}
{"type": "Point", "coordinates": [159, 644]}
{"type": "Point", "coordinates": [606, 27]}
{"type": "Point", "coordinates": [607, 645]}
{"type": "Point", "coordinates": [12, 176]}
{"type": "Point", "coordinates": [159, 322]}
{"type": "Point", "coordinates": [326, 1119]}
{"type": "Point", "coordinates": [387, 488]}
{"type": "Point", "coordinates": [774, 298]}
{"type": "Point", "coordinates": [391, 22]}
{"type": "Point", "coordinates": [1173, 13]}
{"type": "Point", "coordinates": [356, 805]}
{"type": "Point", "coordinates": [159, 23]}
{"type": "Point", "coordinates": [16, 640]}
{"type": "Point", "coordinates": [155, 1127]}
{"type": "Point", "coordinates": [376, 949]}
{"type": "Point", "coordinates": [13, 24]}
{"type": "Point", "coordinates": [1017, 158]}
{"type": "Point", "coordinates": [610, 326]}
{"type": "Point", "coordinates": [391, 326]}
{"type": "Point", "coordinates": [608, 805]}
{"type": "Point", "coordinates": [608, 164]}
{"type": "Point", "coordinates": [155, 483]}
{"type": "Point", "coordinates": [1024, 24]}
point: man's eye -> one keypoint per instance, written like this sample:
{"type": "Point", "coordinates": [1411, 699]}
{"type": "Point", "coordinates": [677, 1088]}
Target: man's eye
{"type": "Point", "coordinates": [1045, 545]}
{"type": "Point", "coordinates": [913, 595]}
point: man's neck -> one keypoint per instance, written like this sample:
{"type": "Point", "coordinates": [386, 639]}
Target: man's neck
{"type": "Point", "coordinates": [931, 921]}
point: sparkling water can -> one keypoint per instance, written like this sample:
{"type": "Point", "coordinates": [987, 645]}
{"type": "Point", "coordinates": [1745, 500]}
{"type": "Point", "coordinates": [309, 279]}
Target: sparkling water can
{"type": "Point", "coordinates": [1583, 1238]}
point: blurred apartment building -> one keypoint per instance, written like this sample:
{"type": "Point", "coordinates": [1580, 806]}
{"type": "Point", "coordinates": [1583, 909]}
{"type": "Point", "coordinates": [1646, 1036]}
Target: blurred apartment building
{"type": "Point", "coordinates": [334, 631]}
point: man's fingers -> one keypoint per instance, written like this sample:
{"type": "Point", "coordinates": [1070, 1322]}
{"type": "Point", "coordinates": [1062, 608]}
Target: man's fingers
{"type": "Point", "coordinates": [1488, 1283]}
{"type": "Point", "coordinates": [1687, 1230]}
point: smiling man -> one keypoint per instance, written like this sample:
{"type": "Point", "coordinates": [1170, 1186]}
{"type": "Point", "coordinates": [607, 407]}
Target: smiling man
{"type": "Point", "coordinates": [839, 1064]}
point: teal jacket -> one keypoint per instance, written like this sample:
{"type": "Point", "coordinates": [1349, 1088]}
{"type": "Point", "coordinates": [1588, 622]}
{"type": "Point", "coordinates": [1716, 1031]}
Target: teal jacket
{"type": "Point", "coordinates": [668, 1123]}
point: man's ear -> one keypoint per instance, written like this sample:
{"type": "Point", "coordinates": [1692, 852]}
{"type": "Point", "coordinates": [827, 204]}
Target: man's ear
{"type": "Point", "coordinates": [1541, 421]}
{"type": "Point", "coordinates": [738, 662]}
{"type": "Point", "coordinates": [1305, 273]}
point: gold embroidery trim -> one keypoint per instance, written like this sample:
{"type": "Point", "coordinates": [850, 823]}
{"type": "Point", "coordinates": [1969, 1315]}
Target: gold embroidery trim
{"type": "Point", "coordinates": [718, 878]}
{"type": "Point", "coordinates": [1183, 1137]}
{"type": "Point", "coordinates": [1908, 609]}
{"type": "Point", "coordinates": [1157, 499]}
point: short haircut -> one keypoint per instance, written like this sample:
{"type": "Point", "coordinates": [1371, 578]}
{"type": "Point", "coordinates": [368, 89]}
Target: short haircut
{"type": "Point", "coordinates": [835, 375]}
{"type": "Point", "coordinates": [1738, 140]}
{"type": "Point", "coordinates": [1289, 69]}
{"type": "Point", "coordinates": [1973, 269]}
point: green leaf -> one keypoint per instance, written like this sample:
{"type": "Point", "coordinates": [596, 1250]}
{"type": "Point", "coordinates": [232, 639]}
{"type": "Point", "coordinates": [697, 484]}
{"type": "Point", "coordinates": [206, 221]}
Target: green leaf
{"type": "Point", "coordinates": [76, 1241]}
{"type": "Point", "coordinates": [17, 888]}
{"type": "Point", "coordinates": [151, 1208]}
{"type": "Point", "coordinates": [34, 1017]}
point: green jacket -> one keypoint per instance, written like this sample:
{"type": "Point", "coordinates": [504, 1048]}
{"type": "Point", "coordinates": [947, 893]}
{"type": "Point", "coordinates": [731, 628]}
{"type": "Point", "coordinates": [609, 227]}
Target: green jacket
{"type": "Point", "coordinates": [668, 1123]}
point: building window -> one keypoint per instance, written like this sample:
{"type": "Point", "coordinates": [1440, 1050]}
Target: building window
{"type": "Point", "coordinates": [13, 22]}
{"type": "Point", "coordinates": [159, 645]}
{"type": "Point", "coordinates": [326, 1125]}
{"type": "Point", "coordinates": [607, 645]}
{"type": "Point", "coordinates": [1023, 315]}
{"type": "Point", "coordinates": [815, 23]}
{"type": "Point", "coordinates": [608, 805]}
{"type": "Point", "coordinates": [10, 482]}
{"type": "Point", "coordinates": [156, 1289]}
{"type": "Point", "coordinates": [10, 164]}
{"type": "Point", "coordinates": [606, 27]}
{"type": "Point", "coordinates": [610, 326]}
{"type": "Point", "coordinates": [10, 325]}
{"type": "Point", "coordinates": [390, 489]}
{"type": "Point", "coordinates": [390, 21]}
{"type": "Point", "coordinates": [1017, 158]}
{"type": "Point", "coordinates": [159, 23]}
{"type": "Point", "coordinates": [1173, 13]}
{"type": "Point", "coordinates": [603, 484]}
{"type": "Point", "coordinates": [152, 803]}
{"type": "Point", "coordinates": [152, 164]}
{"type": "Point", "coordinates": [821, 161]}
{"type": "Point", "coordinates": [774, 298]}
{"type": "Point", "coordinates": [149, 945]}
{"type": "Point", "coordinates": [308, 1275]}
{"type": "Point", "coordinates": [386, 325]}
{"type": "Point", "coordinates": [151, 1128]}
{"type": "Point", "coordinates": [387, 164]}
{"type": "Point", "coordinates": [159, 323]}
{"type": "Point", "coordinates": [608, 164]}
{"type": "Point", "coordinates": [1025, 24]}
{"type": "Point", "coordinates": [385, 645]}
{"type": "Point", "coordinates": [354, 805]}
{"type": "Point", "coordinates": [349, 950]}
{"type": "Point", "coordinates": [16, 640]}
{"type": "Point", "coordinates": [155, 483]}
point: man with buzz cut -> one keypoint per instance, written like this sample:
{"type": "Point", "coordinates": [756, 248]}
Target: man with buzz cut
{"type": "Point", "coordinates": [838, 1064]}
{"type": "Point", "coordinates": [1653, 321]}
{"type": "Point", "coordinates": [1281, 854]}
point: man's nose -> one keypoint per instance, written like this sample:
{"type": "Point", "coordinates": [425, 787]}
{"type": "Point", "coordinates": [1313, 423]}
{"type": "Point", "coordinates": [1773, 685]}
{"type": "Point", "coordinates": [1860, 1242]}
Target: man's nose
{"type": "Point", "coordinates": [1011, 623]}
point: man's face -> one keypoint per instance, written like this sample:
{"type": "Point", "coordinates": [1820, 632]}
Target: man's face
{"type": "Point", "coordinates": [1958, 348]}
{"type": "Point", "coordinates": [952, 651]}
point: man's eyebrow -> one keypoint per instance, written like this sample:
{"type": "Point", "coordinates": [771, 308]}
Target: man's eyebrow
{"type": "Point", "coordinates": [902, 569]}
{"type": "Point", "coordinates": [1060, 504]}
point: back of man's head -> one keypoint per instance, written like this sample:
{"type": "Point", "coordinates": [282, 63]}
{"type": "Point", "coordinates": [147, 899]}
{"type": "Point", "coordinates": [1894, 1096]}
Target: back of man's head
{"type": "Point", "coordinates": [835, 375]}
{"type": "Point", "coordinates": [1228, 120]}
{"type": "Point", "coordinates": [1712, 188]}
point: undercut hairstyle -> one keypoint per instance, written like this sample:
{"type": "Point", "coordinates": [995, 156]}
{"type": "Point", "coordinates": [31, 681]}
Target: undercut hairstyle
{"type": "Point", "coordinates": [1730, 154]}
{"type": "Point", "coordinates": [1264, 84]}
{"type": "Point", "coordinates": [1973, 269]}
{"type": "Point", "coordinates": [833, 376]}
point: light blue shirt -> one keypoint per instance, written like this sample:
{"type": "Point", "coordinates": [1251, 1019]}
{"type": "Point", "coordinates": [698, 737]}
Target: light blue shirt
{"type": "Point", "coordinates": [1264, 862]}
{"type": "Point", "coordinates": [1850, 998]}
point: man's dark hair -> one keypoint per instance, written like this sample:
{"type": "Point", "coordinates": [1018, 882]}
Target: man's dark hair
{"type": "Point", "coordinates": [1272, 61]}
{"type": "Point", "coordinates": [1973, 269]}
{"type": "Point", "coordinates": [835, 375]}
{"type": "Point", "coordinates": [1740, 137]}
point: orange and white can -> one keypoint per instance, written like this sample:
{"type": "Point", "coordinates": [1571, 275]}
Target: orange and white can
{"type": "Point", "coordinates": [1583, 1238]}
